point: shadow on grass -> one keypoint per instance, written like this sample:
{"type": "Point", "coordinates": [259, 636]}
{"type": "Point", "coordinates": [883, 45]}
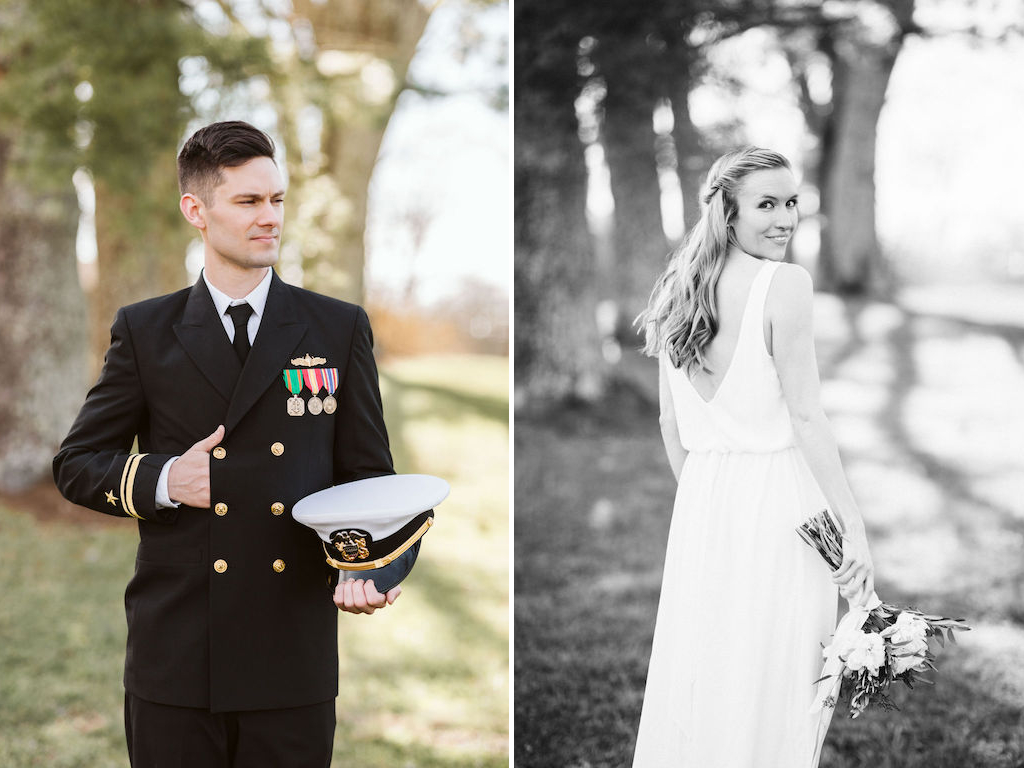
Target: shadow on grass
{"type": "Point", "coordinates": [450, 596]}
{"type": "Point", "coordinates": [971, 515]}
{"type": "Point", "coordinates": [954, 482]}
{"type": "Point", "coordinates": [593, 502]}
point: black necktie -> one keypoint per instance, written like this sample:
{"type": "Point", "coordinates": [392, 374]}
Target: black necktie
{"type": "Point", "coordinates": [240, 314]}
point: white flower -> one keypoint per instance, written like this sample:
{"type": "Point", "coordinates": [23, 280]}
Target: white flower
{"type": "Point", "coordinates": [861, 650]}
{"type": "Point", "coordinates": [908, 627]}
{"type": "Point", "coordinates": [910, 656]}
{"type": "Point", "coordinates": [868, 653]}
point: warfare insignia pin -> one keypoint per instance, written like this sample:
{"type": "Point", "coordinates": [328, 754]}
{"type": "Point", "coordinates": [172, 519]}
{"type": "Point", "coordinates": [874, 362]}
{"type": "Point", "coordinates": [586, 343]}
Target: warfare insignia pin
{"type": "Point", "coordinates": [309, 360]}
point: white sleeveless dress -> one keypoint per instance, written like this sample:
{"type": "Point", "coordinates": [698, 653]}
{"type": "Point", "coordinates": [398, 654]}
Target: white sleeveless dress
{"type": "Point", "coordinates": [745, 604]}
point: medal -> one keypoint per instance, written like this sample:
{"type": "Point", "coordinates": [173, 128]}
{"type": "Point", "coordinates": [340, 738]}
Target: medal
{"type": "Point", "coordinates": [293, 380]}
{"type": "Point", "coordinates": [313, 379]}
{"type": "Point", "coordinates": [330, 379]}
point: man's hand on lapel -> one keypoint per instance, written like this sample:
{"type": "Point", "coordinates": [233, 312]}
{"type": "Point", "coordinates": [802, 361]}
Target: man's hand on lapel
{"type": "Point", "coordinates": [188, 480]}
{"type": "Point", "coordinates": [358, 596]}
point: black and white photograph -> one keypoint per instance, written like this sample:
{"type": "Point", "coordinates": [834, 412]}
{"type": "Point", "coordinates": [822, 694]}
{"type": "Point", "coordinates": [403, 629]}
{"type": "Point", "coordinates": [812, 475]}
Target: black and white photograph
{"type": "Point", "coordinates": [768, 377]}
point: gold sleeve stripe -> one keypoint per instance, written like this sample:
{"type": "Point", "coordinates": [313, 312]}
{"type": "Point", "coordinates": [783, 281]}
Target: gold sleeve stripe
{"type": "Point", "coordinates": [128, 484]}
{"type": "Point", "coordinates": [130, 498]}
{"type": "Point", "coordinates": [124, 476]}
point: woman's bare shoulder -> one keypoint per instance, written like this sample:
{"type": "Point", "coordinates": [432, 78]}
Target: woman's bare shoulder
{"type": "Point", "coordinates": [793, 280]}
{"type": "Point", "coordinates": [791, 293]}
{"type": "Point", "coordinates": [791, 283]}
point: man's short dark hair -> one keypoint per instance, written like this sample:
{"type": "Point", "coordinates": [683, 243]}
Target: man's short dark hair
{"type": "Point", "coordinates": [218, 145]}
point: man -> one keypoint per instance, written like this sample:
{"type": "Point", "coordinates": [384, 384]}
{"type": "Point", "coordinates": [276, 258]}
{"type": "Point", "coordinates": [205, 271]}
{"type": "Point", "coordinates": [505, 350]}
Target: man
{"type": "Point", "coordinates": [232, 634]}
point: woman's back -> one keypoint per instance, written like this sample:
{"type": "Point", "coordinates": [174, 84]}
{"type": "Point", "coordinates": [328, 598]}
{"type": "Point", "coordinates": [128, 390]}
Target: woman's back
{"type": "Point", "coordinates": [738, 406]}
{"type": "Point", "coordinates": [731, 295]}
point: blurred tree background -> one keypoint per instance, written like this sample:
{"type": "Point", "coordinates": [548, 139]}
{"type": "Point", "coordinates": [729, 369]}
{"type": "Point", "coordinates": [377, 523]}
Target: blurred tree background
{"type": "Point", "coordinates": [391, 122]}
{"type": "Point", "coordinates": [88, 107]}
{"type": "Point", "coordinates": [901, 119]}
{"type": "Point", "coordinates": [621, 108]}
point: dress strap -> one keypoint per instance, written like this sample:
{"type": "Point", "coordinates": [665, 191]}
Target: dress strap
{"type": "Point", "coordinates": [759, 289]}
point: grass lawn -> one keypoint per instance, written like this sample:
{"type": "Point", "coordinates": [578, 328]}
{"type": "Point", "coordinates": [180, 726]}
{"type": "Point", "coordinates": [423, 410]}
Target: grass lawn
{"type": "Point", "coordinates": [430, 674]}
{"type": "Point", "coordinates": [926, 406]}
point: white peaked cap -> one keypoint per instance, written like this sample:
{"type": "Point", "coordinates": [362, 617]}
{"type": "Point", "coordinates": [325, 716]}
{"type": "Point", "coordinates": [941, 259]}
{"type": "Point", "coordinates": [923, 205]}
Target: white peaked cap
{"type": "Point", "coordinates": [371, 521]}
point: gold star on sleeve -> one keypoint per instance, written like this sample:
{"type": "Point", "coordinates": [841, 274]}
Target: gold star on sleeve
{"type": "Point", "coordinates": [111, 497]}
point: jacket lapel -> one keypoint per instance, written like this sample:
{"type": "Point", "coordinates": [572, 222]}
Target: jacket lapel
{"type": "Point", "coordinates": [280, 333]}
{"type": "Point", "coordinates": [202, 335]}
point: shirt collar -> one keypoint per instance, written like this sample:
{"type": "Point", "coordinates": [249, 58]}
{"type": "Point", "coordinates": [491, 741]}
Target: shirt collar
{"type": "Point", "coordinates": [257, 298]}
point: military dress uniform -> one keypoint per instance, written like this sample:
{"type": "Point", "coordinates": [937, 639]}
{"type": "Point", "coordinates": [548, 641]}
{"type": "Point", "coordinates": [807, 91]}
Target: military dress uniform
{"type": "Point", "coordinates": [229, 608]}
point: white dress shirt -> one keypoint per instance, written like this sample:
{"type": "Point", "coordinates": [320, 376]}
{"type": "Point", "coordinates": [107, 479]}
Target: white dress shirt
{"type": "Point", "coordinates": [257, 299]}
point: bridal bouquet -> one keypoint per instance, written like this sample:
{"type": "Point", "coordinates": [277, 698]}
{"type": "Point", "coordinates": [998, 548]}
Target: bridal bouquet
{"type": "Point", "coordinates": [875, 644]}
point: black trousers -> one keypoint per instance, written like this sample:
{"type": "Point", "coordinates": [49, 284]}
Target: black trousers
{"type": "Point", "coordinates": [163, 736]}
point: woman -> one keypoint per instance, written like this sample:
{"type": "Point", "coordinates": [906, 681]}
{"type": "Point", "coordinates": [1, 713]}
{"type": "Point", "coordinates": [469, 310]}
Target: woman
{"type": "Point", "coordinates": [745, 605]}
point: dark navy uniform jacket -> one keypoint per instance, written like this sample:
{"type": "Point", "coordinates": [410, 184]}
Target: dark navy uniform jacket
{"type": "Point", "coordinates": [229, 609]}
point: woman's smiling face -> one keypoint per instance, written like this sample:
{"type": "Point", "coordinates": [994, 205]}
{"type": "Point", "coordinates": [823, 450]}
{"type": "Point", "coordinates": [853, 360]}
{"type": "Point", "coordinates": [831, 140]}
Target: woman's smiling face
{"type": "Point", "coordinates": [766, 213]}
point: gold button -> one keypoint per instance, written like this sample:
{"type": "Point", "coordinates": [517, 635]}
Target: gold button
{"type": "Point", "coordinates": [277, 449]}
{"type": "Point", "coordinates": [277, 508]}
{"type": "Point", "coordinates": [279, 565]}
{"type": "Point", "coordinates": [220, 566]}
{"type": "Point", "coordinates": [221, 508]}
{"type": "Point", "coordinates": [219, 452]}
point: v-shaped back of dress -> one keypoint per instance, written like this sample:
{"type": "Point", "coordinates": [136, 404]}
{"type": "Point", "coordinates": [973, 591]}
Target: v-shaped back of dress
{"type": "Point", "coordinates": [747, 412]}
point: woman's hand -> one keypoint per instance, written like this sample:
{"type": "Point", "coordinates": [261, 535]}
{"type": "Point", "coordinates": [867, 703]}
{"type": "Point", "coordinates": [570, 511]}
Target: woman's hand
{"type": "Point", "coordinates": [856, 574]}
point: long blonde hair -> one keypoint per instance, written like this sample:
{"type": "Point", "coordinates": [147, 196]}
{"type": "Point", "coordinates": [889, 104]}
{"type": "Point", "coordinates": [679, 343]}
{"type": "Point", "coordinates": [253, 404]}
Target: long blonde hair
{"type": "Point", "coordinates": [682, 316]}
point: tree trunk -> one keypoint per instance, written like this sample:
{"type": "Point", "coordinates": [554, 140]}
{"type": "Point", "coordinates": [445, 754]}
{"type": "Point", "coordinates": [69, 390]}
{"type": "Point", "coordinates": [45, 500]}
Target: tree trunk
{"type": "Point", "coordinates": [141, 242]}
{"type": "Point", "coordinates": [817, 116]}
{"type": "Point", "coordinates": [693, 159]}
{"type": "Point", "coordinates": [42, 314]}
{"type": "Point", "coordinates": [851, 256]}
{"type": "Point", "coordinates": [362, 53]}
{"type": "Point", "coordinates": [640, 244]}
{"type": "Point", "coordinates": [557, 349]}
{"type": "Point", "coordinates": [862, 57]}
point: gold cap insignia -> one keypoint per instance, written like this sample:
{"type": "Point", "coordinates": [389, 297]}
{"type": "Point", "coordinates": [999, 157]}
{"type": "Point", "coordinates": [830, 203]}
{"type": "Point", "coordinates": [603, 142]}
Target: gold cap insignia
{"type": "Point", "coordinates": [308, 360]}
{"type": "Point", "coordinates": [351, 545]}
